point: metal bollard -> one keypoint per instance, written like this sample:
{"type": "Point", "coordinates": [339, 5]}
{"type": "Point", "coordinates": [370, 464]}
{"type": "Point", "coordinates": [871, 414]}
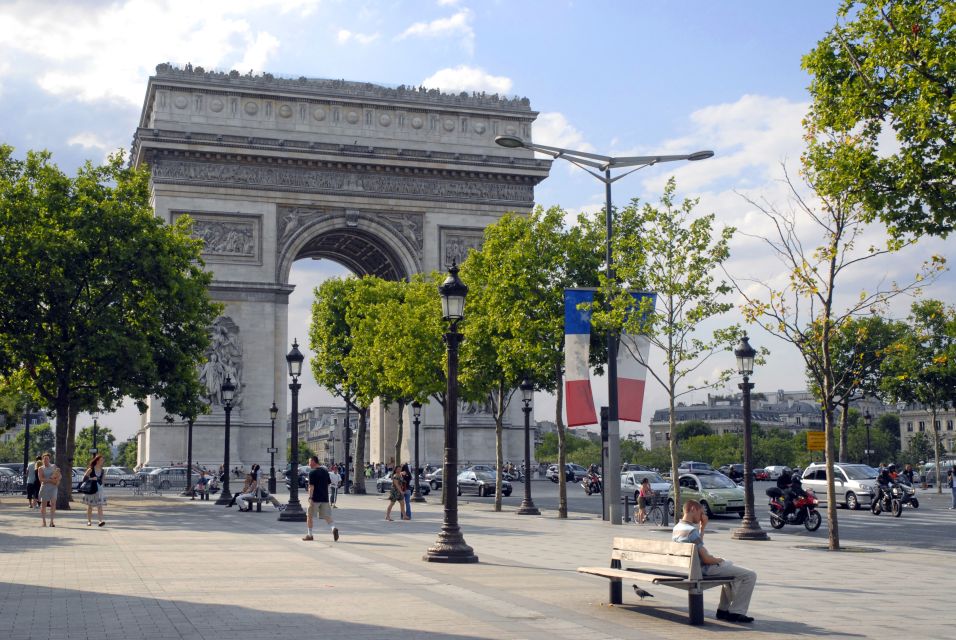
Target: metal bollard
{"type": "Point", "coordinates": [627, 508]}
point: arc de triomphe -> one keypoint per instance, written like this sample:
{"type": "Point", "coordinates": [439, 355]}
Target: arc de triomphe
{"type": "Point", "coordinates": [385, 181]}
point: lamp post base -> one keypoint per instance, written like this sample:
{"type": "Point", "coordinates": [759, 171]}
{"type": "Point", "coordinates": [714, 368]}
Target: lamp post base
{"type": "Point", "coordinates": [225, 498]}
{"type": "Point", "coordinates": [292, 513]}
{"type": "Point", "coordinates": [417, 497]}
{"type": "Point", "coordinates": [451, 549]}
{"type": "Point", "coordinates": [749, 530]}
{"type": "Point", "coordinates": [527, 508]}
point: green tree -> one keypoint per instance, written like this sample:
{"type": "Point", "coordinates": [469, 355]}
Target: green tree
{"type": "Point", "coordinates": [41, 441]}
{"type": "Point", "coordinates": [305, 452]}
{"type": "Point", "coordinates": [514, 325]}
{"type": "Point", "coordinates": [889, 423]}
{"type": "Point", "coordinates": [820, 245]}
{"type": "Point", "coordinates": [921, 366]}
{"type": "Point", "coordinates": [126, 453]}
{"type": "Point", "coordinates": [104, 444]}
{"type": "Point", "coordinates": [330, 337]}
{"type": "Point", "coordinates": [887, 70]}
{"type": "Point", "coordinates": [102, 299]}
{"type": "Point", "coordinates": [693, 428]}
{"type": "Point", "coordinates": [670, 252]}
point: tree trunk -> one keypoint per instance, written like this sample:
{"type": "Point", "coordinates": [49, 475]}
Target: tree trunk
{"type": "Point", "coordinates": [832, 524]}
{"type": "Point", "coordinates": [844, 427]}
{"type": "Point", "coordinates": [939, 478]}
{"type": "Point", "coordinates": [358, 485]}
{"type": "Point", "coordinates": [675, 463]}
{"type": "Point", "coordinates": [398, 438]}
{"type": "Point", "coordinates": [499, 454]}
{"type": "Point", "coordinates": [62, 448]}
{"type": "Point", "coordinates": [562, 452]}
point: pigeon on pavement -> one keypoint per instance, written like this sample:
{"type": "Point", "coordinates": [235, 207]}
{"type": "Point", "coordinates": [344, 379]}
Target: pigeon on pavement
{"type": "Point", "coordinates": [643, 594]}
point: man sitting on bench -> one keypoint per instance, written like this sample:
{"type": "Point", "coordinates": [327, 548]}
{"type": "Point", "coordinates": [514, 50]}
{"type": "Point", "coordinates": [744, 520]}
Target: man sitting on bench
{"type": "Point", "coordinates": [734, 596]}
{"type": "Point", "coordinates": [248, 493]}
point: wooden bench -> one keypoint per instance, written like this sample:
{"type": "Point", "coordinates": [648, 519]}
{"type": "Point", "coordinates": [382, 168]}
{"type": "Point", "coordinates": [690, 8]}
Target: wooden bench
{"type": "Point", "coordinates": [671, 564]}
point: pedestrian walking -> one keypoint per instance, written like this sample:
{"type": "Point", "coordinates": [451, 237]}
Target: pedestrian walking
{"type": "Point", "coordinates": [94, 473]}
{"type": "Point", "coordinates": [334, 480]}
{"type": "Point", "coordinates": [645, 493]}
{"type": "Point", "coordinates": [50, 476]}
{"type": "Point", "coordinates": [407, 490]}
{"type": "Point", "coordinates": [33, 483]}
{"type": "Point", "coordinates": [319, 481]}
{"type": "Point", "coordinates": [396, 494]}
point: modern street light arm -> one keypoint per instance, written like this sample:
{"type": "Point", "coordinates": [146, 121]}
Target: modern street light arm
{"type": "Point", "coordinates": [598, 161]}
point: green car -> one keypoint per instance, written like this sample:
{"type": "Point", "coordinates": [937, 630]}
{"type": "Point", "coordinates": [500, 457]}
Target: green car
{"type": "Point", "coordinates": [716, 493]}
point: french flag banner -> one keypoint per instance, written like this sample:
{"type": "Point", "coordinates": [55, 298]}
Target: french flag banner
{"type": "Point", "coordinates": [632, 353]}
{"type": "Point", "coordinates": [577, 346]}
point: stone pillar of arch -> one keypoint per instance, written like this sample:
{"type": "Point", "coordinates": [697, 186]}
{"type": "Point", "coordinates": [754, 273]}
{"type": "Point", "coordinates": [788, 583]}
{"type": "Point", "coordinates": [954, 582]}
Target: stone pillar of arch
{"type": "Point", "coordinates": [385, 181]}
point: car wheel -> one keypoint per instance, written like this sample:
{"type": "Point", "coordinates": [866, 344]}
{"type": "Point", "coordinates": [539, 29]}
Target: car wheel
{"type": "Point", "coordinates": [434, 485]}
{"type": "Point", "coordinates": [164, 485]}
{"type": "Point", "coordinates": [381, 488]}
{"type": "Point", "coordinates": [459, 490]}
{"type": "Point", "coordinates": [507, 494]}
{"type": "Point", "coordinates": [424, 489]}
{"type": "Point", "coordinates": [710, 514]}
{"type": "Point", "coordinates": [852, 502]}
{"type": "Point", "coordinates": [123, 483]}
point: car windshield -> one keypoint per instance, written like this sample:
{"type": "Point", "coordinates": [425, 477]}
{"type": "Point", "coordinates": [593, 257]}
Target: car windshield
{"type": "Point", "coordinates": [860, 472]}
{"type": "Point", "coordinates": [484, 475]}
{"type": "Point", "coordinates": [716, 481]}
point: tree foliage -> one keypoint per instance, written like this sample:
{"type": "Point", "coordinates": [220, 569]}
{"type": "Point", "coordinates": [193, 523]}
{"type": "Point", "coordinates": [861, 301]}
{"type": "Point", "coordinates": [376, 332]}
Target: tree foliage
{"type": "Point", "coordinates": [102, 299]}
{"type": "Point", "coordinates": [104, 445]}
{"type": "Point", "coordinates": [41, 441]}
{"type": "Point", "coordinates": [887, 70]}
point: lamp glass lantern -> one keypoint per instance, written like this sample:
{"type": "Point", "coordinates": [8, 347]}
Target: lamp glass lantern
{"type": "Point", "coordinates": [228, 390]}
{"type": "Point", "coordinates": [527, 390]}
{"type": "Point", "coordinates": [273, 411]}
{"type": "Point", "coordinates": [417, 409]}
{"type": "Point", "coordinates": [453, 292]}
{"type": "Point", "coordinates": [295, 359]}
{"type": "Point", "coordinates": [745, 356]}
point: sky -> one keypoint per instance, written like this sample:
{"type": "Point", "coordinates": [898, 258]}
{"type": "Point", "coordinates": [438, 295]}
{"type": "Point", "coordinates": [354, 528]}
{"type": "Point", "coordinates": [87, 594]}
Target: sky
{"type": "Point", "coordinates": [615, 78]}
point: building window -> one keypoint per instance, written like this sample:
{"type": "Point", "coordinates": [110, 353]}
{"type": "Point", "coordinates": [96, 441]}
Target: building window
{"type": "Point", "coordinates": [937, 425]}
{"type": "Point", "coordinates": [909, 427]}
{"type": "Point", "coordinates": [922, 426]}
{"type": "Point", "coordinates": [949, 426]}
{"type": "Point", "coordinates": [798, 417]}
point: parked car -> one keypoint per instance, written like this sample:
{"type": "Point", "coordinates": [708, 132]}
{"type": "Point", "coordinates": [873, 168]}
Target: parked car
{"type": "Point", "coordinates": [482, 483]}
{"type": "Point", "coordinates": [10, 481]}
{"type": "Point", "coordinates": [629, 466]}
{"type": "Point", "coordinates": [385, 482]}
{"type": "Point", "coordinates": [303, 477]}
{"type": "Point", "coordinates": [168, 478]}
{"type": "Point", "coordinates": [16, 467]}
{"type": "Point", "coordinates": [574, 472]}
{"type": "Point", "coordinates": [774, 471]}
{"type": "Point", "coordinates": [689, 466]}
{"type": "Point", "coordinates": [855, 484]}
{"type": "Point", "coordinates": [434, 479]}
{"type": "Point", "coordinates": [113, 476]}
{"type": "Point", "coordinates": [631, 483]}
{"type": "Point", "coordinates": [479, 467]}
{"type": "Point", "coordinates": [716, 493]}
{"type": "Point", "coordinates": [761, 474]}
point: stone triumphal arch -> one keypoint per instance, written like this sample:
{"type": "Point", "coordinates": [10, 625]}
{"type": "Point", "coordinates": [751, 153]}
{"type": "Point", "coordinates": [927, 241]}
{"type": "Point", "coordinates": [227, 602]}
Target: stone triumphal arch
{"type": "Point", "coordinates": [385, 181]}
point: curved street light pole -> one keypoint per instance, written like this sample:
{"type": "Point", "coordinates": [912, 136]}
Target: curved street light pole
{"type": "Point", "coordinates": [604, 165]}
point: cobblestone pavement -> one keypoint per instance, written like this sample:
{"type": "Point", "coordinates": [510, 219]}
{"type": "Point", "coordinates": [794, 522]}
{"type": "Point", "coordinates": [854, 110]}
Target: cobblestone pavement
{"type": "Point", "coordinates": [169, 568]}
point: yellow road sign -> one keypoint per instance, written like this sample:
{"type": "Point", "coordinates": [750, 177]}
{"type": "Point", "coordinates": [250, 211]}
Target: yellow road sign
{"type": "Point", "coordinates": [816, 441]}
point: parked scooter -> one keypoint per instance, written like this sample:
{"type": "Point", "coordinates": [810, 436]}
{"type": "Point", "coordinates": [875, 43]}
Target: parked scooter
{"type": "Point", "coordinates": [804, 510]}
{"type": "Point", "coordinates": [591, 483]}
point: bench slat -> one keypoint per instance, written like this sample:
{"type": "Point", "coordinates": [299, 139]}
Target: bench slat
{"type": "Point", "coordinates": [667, 547]}
{"type": "Point", "coordinates": [657, 559]}
{"type": "Point", "coordinates": [679, 582]}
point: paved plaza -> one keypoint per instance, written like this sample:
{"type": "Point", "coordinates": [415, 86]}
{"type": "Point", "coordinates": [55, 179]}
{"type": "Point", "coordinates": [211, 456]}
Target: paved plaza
{"type": "Point", "coordinates": [168, 568]}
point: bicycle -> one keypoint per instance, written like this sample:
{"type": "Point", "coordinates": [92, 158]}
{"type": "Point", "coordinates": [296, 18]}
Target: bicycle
{"type": "Point", "coordinates": [655, 513]}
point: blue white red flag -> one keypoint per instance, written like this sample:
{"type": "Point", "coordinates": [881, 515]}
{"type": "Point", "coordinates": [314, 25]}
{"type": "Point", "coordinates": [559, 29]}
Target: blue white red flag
{"type": "Point", "coordinates": [632, 354]}
{"type": "Point", "coordinates": [577, 345]}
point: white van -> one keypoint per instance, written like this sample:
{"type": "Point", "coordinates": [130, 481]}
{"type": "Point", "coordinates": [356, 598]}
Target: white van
{"type": "Point", "coordinates": [774, 471]}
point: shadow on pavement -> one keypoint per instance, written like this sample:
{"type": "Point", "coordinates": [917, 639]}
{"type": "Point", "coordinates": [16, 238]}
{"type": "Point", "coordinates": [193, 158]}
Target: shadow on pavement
{"type": "Point", "coordinates": [40, 615]}
{"type": "Point", "coordinates": [18, 543]}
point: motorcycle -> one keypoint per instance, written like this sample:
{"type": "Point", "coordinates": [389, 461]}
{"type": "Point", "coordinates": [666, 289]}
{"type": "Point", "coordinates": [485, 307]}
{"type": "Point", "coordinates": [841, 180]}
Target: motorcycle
{"type": "Point", "coordinates": [592, 483]}
{"type": "Point", "coordinates": [890, 499]}
{"type": "Point", "coordinates": [804, 510]}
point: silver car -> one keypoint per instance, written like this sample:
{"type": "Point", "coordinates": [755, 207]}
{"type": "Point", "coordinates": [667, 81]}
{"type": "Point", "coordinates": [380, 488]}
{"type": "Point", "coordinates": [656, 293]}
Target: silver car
{"type": "Point", "coordinates": [631, 484]}
{"type": "Point", "coordinates": [854, 484]}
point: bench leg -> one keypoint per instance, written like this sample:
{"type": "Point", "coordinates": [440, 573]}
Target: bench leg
{"type": "Point", "coordinates": [695, 602]}
{"type": "Point", "coordinates": [615, 589]}
{"type": "Point", "coordinates": [259, 506]}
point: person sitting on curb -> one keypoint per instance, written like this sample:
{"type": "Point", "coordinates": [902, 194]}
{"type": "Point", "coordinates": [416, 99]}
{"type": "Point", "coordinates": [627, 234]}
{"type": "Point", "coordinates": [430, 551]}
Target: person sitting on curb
{"type": "Point", "coordinates": [734, 596]}
{"type": "Point", "coordinates": [248, 493]}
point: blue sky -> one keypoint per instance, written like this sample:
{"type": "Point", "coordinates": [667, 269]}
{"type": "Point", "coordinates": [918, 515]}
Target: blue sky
{"type": "Point", "coordinates": [616, 78]}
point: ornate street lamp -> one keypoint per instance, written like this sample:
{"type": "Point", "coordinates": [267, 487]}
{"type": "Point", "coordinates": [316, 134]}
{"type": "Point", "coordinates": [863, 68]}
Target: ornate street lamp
{"type": "Point", "coordinates": [450, 546]}
{"type": "Point", "coordinates": [188, 491]}
{"type": "Point", "coordinates": [750, 527]}
{"type": "Point", "coordinates": [604, 165]}
{"type": "Point", "coordinates": [273, 413]}
{"type": "Point", "coordinates": [527, 507]}
{"type": "Point", "coordinates": [868, 421]}
{"type": "Point", "coordinates": [293, 511]}
{"type": "Point", "coordinates": [96, 416]}
{"type": "Point", "coordinates": [228, 390]}
{"type": "Point", "coordinates": [417, 414]}
{"type": "Point", "coordinates": [348, 448]}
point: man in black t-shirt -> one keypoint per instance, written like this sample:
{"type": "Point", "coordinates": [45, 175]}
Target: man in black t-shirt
{"type": "Point", "coordinates": [319, 482]}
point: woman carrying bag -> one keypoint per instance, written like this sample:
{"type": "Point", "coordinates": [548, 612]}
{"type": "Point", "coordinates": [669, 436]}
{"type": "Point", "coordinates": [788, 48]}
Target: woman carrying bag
{"type": "Point", "coordinates": [92, 489]}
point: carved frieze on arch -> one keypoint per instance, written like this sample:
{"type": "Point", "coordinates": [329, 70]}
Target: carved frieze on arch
{"type": "Point", "coordinates": [386, 244]}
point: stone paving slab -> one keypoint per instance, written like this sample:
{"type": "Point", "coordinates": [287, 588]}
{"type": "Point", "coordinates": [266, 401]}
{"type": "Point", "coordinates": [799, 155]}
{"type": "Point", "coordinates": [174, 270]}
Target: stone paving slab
{"type": "Point", "coordinates": [170, 568]}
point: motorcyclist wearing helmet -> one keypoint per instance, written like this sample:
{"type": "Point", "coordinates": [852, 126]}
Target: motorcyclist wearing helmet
{"type": "Point", "coordinates": [884, 479]}
{"type": "Point", "coordinates": [784, 479]}
{"type": "Point", "coordinates": [793, 493]}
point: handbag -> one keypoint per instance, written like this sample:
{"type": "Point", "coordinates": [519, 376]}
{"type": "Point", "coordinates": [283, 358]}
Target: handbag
{"type": "Point", "coordinates": [88, 487]}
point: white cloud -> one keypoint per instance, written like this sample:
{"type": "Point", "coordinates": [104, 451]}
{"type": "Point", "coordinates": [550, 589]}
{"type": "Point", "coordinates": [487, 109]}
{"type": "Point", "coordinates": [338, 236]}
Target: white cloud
{"type": "Point", "coordinates": [97, 52]}
{"type": "Point", "coordinates": [344, 36]}
{"type": "Point", "coordinates": [447, 3]}
{"type": "Point", "coordinates": [458, 24]}
{"type": "Point", "coordinates": [465, 78]}
{"type": "Point", "coordinates": [88, 140]}
{"type": "Point", "coordinates": [554, 130]}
